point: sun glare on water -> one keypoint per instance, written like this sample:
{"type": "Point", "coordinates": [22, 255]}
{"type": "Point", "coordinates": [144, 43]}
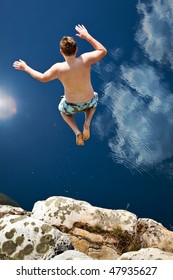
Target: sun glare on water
{"type": "Point", "coordinates": [7, 106]}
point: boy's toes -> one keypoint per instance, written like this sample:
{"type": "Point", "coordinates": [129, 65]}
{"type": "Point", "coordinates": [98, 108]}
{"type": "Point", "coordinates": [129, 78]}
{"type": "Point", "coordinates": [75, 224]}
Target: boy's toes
{"type": "Point", "coordinates": [86, 132]}
{"type": "Point", "coordinates": [79, 139]}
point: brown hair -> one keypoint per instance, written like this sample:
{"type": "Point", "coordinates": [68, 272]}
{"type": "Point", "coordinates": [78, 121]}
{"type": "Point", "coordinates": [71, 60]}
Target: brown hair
{"type": "Point", "coordinates": [68, 45]}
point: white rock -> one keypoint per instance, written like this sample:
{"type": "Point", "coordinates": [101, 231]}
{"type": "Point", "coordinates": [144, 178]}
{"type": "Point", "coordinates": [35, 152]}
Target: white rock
{"type": "Point", "coordinates": [72, 255]}
{"type": "Point", "coordinates": [22, 237]}
{"type": "Point", "coordinates": [8, 209]}
{"type": "Point", "coordinates": [147, 254]}
{"type": "Point", "coordinates": [68, 212]}
{"type": "Point", "coordinates": [155, 235]}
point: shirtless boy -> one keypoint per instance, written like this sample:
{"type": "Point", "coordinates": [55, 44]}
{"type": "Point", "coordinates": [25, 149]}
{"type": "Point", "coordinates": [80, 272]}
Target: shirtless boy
{"type": "Point", "coordinates": [74, 74]}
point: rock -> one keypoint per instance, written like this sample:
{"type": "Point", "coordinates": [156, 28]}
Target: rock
{"type": "Point", "coordinates": [68, 212]}
{"type": "Point", "coordinates": [58, 223]}
{"type": "Point", "coordinates": [6, 200]}
{"type": "Point", "coordinates": [10, 210]}
{"type": "Point", "coordinates": [104, 253]}
{"type": "Point", "coordinates": [147, 254]}
{"type": "Point", "coordinates": [154, 234]}
{"type": "Point", "coordinates": [94, 245]}
{"type": "Point", "coordinates": [72, 255]}
{"type": "Point", "coordinates": [98, 232]}
{"type": "Point", "coordinates": [23, 237]}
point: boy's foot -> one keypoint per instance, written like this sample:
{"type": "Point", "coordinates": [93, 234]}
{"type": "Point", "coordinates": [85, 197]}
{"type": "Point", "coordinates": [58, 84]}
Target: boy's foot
{"type": "Point", "coordinates": [86, 132]}
{"type": "Point", "coordinates": [79, 139]}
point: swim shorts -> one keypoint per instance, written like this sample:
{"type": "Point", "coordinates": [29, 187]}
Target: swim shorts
{"type": "Point", "coordinates": [72, 108]}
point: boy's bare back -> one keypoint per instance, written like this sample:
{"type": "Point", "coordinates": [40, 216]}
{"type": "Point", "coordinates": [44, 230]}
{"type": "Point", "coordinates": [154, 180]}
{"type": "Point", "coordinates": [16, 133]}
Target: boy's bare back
{"type": "Point", "coordinates": [75, 77]}
{"type": "Point", "coordinates": [74, 72]}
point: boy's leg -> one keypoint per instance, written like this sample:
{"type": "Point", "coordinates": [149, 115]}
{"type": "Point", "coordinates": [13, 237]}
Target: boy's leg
{"type": "Point", "coordinates": [69, 119]}
{"type": "Point", "coordinates": [88, 117]}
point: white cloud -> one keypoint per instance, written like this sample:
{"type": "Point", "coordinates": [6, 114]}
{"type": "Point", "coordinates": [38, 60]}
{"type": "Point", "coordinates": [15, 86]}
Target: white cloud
{"type": "Point", "coordinates": [155, 33]}
{"type": "Point", "coordinates": [116, 53]}
{"type": "Point", "coordinates": [140, 118]}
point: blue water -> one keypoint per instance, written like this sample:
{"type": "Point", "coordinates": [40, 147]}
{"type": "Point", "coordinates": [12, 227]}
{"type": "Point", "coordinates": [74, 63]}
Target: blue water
{"type": "Point", "coordinates": [41, 166]}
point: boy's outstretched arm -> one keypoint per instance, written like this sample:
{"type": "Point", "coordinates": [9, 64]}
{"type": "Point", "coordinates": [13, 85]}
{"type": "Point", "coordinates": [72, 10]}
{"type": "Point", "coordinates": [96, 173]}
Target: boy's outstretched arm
{"type": "Point", "coordinates": [100, 50]}
{"type": "Point", "coordinates": [47, 76]}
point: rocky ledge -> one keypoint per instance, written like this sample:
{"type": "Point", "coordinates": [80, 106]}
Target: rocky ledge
{"type": "Point", "coordinates": [65, 228]}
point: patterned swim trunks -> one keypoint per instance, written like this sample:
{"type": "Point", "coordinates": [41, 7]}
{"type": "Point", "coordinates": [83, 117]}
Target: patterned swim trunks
{"type": "Point", "coordinates": [72, 108]}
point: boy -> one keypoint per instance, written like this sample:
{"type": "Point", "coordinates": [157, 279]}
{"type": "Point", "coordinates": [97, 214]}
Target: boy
{"type": "Point", "coordinates": [74, 74]}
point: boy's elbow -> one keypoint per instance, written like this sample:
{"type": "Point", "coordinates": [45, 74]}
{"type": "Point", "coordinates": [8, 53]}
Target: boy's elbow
{"type": "Point", "coordinates": [43, 79]}
{"type": "Point", "coordinates": [105, 51]}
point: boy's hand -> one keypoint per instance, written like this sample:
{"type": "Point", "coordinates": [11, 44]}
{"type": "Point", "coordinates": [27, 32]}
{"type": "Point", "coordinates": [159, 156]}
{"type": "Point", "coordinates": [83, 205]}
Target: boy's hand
{"type": "Point", "coordinates": [20, 65]}
{"type": "Point", "coordinates": [83, 33]}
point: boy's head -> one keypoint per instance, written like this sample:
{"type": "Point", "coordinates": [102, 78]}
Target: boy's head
{"type": "Point", "coordinates": [68, 46]}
